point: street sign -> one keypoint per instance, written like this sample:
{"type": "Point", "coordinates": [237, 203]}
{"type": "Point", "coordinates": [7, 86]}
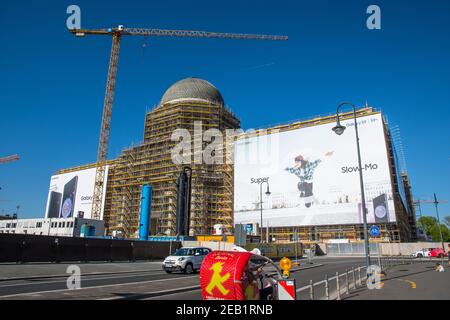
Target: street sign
{"type": "Point", "coordinates": [286, 289]}
{"type": "Point", "coordinates": [374, 231]}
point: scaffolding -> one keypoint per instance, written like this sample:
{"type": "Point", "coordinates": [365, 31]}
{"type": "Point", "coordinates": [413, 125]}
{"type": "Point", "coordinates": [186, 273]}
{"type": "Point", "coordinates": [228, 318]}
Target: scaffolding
{"type": "Point", "coordinates": [151, 163]}
{"type": "Point", "coordinates": [388, 232]}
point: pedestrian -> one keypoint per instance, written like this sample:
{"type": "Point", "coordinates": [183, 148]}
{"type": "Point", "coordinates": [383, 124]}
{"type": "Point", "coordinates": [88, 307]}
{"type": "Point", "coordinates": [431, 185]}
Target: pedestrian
{"type": "Point", "coordinates": [439, 267]}
{"type": "Point", "coordinates": [448, 253]}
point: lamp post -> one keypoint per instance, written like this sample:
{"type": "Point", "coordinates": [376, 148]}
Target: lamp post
{"type": "Point", "coordinates": [339, 129]}
{"type": "Point", "coordinates": [260, 206]}
{"type": "Point", "coordinates": [436, 202]}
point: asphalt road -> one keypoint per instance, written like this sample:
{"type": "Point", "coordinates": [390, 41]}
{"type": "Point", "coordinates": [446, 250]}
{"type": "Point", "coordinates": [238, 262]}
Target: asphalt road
{"type": "Point", "coordinates": [107, 285]}
{"type": "Point", "coordinates": [10, 271]}
{"type": "Point", "coordinates": [89, 281]}
{"type": "Point", "coordinates": [329, 266]}
{"type": "Point", "coordinates": [147, 281]}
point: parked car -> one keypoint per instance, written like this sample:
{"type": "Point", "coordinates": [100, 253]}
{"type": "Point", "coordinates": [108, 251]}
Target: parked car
{"type": "Point", "coordinates": [438, 253]}
{"type": "Point", "coordinates": [422, 253]}
{"type": "Point", "coordinates": [187, 260]}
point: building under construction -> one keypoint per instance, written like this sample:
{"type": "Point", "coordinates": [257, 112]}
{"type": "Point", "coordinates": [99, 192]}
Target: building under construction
{"type": "Point", "coordinates": [402, 230]}
{"type": "Point", "coordinates": [185, 105]}
{"type": "Point", "coordinates": [188, 103]}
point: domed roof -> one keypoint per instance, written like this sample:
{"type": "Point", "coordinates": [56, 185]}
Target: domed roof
{"type": "Point", "coordinates": [192, 88]}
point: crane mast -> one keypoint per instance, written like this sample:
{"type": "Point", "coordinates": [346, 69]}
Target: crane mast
{"type": "Point", "coordinates": [105, 128]}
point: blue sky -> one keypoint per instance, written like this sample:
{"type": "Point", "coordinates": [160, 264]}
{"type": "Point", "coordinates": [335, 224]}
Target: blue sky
{"type": "Point", "coordinates": [52, 84]}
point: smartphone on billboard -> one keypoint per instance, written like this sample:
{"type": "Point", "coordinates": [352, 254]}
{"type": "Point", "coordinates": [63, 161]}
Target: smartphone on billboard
{"type": "Point", "coordinates": [380, 208]}
{"type": "Point", "coordinates": [54, 205]}
{"type": "Point", "coordinates": [68, 204]}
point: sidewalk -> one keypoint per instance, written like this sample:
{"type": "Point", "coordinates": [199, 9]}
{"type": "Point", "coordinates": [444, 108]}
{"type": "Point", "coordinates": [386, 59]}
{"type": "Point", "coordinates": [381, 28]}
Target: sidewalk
{"type": "Point", "coordinates": [409, 282]}
{"type": "Point", "coordinates": [42, 270]}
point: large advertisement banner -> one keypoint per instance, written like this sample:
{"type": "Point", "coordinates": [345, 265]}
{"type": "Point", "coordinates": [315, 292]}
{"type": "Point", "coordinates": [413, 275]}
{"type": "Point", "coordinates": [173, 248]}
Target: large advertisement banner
{"type": "Point", "coordinates": [313, 176]}
{"type": "Point", "coordinates": [71, 194]}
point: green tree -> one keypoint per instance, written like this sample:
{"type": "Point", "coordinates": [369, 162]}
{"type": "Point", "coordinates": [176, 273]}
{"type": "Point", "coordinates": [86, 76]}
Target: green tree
{"type": "Point", "coordinates": [445, 233]}
{"type": "Point", "coordinates": [447, 221]}
{"type": "Point", "coordinates": [427, 223]}
{"type": "Point", "coordinates": [431, 228]}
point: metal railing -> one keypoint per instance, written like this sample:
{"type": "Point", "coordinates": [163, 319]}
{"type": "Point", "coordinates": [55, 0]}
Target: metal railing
{"type": "Point", "coordinates": [354, 278]}
{"type": "Point", "coordinates": [391, 261]}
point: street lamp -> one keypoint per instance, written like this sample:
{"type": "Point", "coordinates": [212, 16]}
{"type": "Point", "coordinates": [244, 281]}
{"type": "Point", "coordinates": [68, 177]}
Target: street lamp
{"type": "Point", "coordinates": [17, 211]}
{"type": "Point", "coordinates": [260, 206]}
{"type": "Point", "coordinates": [339, 130]}
{"type": "Point", "coordinates": [436, 202]}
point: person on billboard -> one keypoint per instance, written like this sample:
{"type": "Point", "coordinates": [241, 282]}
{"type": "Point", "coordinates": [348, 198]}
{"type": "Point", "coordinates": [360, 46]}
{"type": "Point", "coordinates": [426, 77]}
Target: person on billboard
{"type": "Point", "coordinates": [304, 169]}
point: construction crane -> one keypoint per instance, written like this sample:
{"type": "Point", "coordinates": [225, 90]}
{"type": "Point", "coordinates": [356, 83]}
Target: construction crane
{"type": "Point", "coordinates": [7, 159]}
{"type": "Point", "coordinates": [116, 34]}
{"type": "Point", "coordinates": [436, 202]}
{"type": "Point", "coordinates": [11, 158]}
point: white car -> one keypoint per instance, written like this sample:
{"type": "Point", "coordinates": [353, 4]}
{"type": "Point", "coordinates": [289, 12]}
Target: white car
{"type": "Point", "coordinates": [187, 260]}
{"type": "Point", "coordinates": [422, 253]}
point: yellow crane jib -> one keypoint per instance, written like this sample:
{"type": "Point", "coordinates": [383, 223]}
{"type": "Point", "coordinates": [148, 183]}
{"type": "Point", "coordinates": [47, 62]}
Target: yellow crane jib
{"type": "Point", "coordinates": [116, 34]}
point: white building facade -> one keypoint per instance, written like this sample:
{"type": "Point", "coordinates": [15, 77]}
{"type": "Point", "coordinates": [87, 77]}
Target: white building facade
{"type": "Point", "coordinates": [64, 227]}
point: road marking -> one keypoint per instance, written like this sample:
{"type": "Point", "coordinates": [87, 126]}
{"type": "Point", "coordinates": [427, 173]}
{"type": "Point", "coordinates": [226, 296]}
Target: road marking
{"type": "Point", "coordinates": [64, 275]}
{"type": "Point", "coordinates": [412, 283]}
{"type": "Point", "coordinates": [172, 294]}
{"type": "Point", "coordinates": [94, 287]}
{"type": "Point", "coordinates": [148, 273]}
{"type": "Point", "coordinates": [182, 290]}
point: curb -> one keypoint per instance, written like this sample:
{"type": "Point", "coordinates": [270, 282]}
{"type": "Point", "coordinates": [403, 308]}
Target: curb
{"type": "Point", "coordinates": [307, 267]}
{"type": "Point", "coordinates": [139, 296]}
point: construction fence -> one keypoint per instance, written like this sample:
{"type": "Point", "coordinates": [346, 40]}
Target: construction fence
{"type": "Point", "coordinates": [21, 248]}
{"type": "Point", "coordinates": [350, 249]}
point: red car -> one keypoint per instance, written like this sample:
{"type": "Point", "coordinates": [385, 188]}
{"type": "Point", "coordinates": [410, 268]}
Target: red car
{"type": "Point", "coordinates": [437, 253]}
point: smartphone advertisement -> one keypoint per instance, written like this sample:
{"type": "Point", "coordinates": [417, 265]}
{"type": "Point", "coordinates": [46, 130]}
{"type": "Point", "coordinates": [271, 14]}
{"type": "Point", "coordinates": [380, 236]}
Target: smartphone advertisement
{"type": "Point", "coordinates": [70, 194]}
